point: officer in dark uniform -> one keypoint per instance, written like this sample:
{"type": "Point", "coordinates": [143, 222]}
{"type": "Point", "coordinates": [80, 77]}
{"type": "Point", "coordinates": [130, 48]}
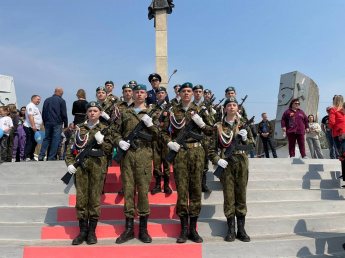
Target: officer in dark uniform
{"type": "Point", "coordinates": [155, 79]}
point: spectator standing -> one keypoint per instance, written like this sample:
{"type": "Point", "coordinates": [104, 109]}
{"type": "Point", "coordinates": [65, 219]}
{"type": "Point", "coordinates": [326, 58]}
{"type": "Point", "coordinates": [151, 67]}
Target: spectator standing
{"type": "Point", "coordinates": [20, 138]}
{"type": "Point", "coordinates": [313, 138]}
{"type": "Point", "coordinates": [337, 122]}
{"type": "Point", "coordinates": [333, 152]}
{"type": "Point", "coordinates": [6, 125]}
{"type": "Point", "coordinates": [68, 133]}
{"type": "Point", "coordinates": [78, 109]}
{"type": "Point", "coordinates": [12, 113]}
{"type": "Point", "coordinates": [295, 123]}
{"type": "Point", "coordinates": [32, 124]}
{"type": "Point", "coordinates": [265, 131]}
{"type": "Point", "coordinates": [54, 117]}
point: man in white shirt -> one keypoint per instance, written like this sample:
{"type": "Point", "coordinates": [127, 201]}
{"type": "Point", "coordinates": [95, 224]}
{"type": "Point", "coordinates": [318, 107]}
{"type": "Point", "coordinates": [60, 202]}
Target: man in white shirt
{"type": "Point", "coordinates": [32, 124]}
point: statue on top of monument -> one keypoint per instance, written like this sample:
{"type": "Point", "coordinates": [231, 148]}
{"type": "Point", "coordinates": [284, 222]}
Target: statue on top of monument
{"type": "Point", "coordinates": [160, 5]}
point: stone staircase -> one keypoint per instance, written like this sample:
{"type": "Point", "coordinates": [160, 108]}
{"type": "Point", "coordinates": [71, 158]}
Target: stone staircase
{"type": "Point", "coordinates": [296, 208]}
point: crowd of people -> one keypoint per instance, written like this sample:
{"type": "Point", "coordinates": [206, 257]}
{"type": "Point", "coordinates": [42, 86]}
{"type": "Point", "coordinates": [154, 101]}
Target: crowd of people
{"type": "Point", "coordinates": [212, 130]}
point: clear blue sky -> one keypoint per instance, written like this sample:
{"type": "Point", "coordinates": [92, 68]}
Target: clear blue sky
{"type": "Point", "coordinates": [247, 44]}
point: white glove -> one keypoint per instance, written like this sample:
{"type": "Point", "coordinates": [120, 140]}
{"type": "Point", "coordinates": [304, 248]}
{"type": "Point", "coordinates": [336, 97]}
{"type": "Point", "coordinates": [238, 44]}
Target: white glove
{"type": "Point", "coordinates": [71, 169]}
{"type": "Point", "coordinates": [174, 146]}
{"type": "Point", "coordinates": [223, 163]}
{"type": "Point", "coordinates": [147, 120]}
{"type": "Point", "coordinates": [214, 111]}
{"type": "Point", "coordinates": [105, 116]}
{"type": "Point", "coordinates": [243, 133]}
{"type": "Point", "coordinates": [198, 120]}
{"type": "Point", "coordinates": [99, 137]}
{"type": "Point", "coordinates": [124, 145]}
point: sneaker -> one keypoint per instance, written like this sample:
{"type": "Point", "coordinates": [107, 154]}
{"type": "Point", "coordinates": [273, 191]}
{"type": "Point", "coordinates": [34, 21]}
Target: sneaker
{"type": "Point", "coordinates": [14, 160]}
{"type": "Point", "coordinates": [22, 160]}
{"type": "Point", "coordinates": [27, 159]}
{"type": "Point", "coordinates": [305, 157]}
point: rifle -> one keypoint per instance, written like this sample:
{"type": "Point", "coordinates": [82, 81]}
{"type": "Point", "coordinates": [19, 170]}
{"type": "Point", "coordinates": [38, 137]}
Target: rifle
{"type": "Point", "coordinates": [187, 132]}
{"type": "Point", "coordinates": [134, 134]}
{"type": "Point", "coordinates": [216, 107]}
{"type": "Point", "coordinates": [166, 109]}
{"type": "Point", "coordinates": [79, 161]}
{"type": "Point", "coordinates": [234, 146]}
{"type": "Point", "coordinates": [105, 122]}
{"type": "Point", "coordinates": [243, 100]}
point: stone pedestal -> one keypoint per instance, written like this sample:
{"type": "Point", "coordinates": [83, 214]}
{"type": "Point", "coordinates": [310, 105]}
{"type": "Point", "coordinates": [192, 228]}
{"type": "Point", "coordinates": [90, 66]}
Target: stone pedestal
{"type": "Point", "coordinates": [162, 46]}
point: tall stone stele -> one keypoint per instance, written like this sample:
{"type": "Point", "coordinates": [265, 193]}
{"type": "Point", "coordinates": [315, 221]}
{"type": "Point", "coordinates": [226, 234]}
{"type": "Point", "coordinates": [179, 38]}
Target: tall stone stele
{"type": "Point", "coordinates": [159, 10]}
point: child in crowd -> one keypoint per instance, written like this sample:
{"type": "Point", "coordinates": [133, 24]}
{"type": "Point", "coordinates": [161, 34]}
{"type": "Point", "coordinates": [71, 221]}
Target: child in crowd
{"type": "Point", "coordinates": [12, 113]}
{"type": "Point", "coordinates": [6, 125]}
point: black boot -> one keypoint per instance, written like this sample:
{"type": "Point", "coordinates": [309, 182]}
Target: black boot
{"type": "Point", "coordinates": [231, 235]}
{"type": "Point", "coordinates": [121, 191]}
{"type": "Point", "coordinates": [241, 232]}
{"type": "Point", "coordinates": [157, 188]}
{"type": "Point", "coordinates": [204, 187]}
{"type": "Point", "coordinates": [83, 226]}
{"type": "Point", "coordinates": [167, 188]}
{"type": "Point", "coordinates": [128, 234]}
{"type": "Point", "coordinates": [91, 237]}
{"type": "Point", "coordinates": [193, 234]}
{"type": "Point", "coordinates": [143, 234]}
{"type": "Point", "coordinates": [184, 230]}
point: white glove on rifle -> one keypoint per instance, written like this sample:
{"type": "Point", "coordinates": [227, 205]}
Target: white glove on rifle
{"type": "Point", "coordinates": [243, 133]}
{"type": "Point", "coordinates": [71, 169]}
{"type": "Point", "coordinates": [99, 137]}
{"type": "Point", "coordinates": [198, 120]}
{"type": "Point", "coordinates": [214, 111]}
{"type": "Point", "coordinates": [223, 163]}
{"type": "Point", "coordinates": [174, 146]}
{"type": "Point", "coordinates": [147, 120]}
{"type": "Point", "coordinates": [124, 145]}
{"type": "Point", "coordinates": [105, 116]}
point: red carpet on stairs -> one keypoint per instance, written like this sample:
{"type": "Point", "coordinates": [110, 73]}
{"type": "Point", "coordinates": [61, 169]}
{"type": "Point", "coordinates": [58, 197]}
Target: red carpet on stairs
{"type": "Point", "coordinates": [123, 251]}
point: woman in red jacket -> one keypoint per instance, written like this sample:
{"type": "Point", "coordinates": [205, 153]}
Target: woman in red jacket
{"type": "Point", "coordinates": [295, 123]}
{"type": "Point", "coordinates": [337, 123]}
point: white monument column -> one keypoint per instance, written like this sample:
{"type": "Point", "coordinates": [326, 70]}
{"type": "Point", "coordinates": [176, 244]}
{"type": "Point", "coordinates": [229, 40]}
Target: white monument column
{"type": "Point", "coordinates": [161, 25]}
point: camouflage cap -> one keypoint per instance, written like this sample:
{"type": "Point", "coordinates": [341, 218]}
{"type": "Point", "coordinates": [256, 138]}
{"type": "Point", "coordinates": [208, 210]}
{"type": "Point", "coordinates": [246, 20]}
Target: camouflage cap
{"type": "Point", "coordinates": [139, 87]}
{"type": "Point", "coordinates": [230, 89]}
{"type": "Point", "coordinates": [102, 89]}
{"type": "Point", "coordinates": [228, 100]}
{"type": "Point", "coordinates": [155, 76]}
{"type": "Point", "coordinates": [160, 88]}
{"type": "Point", "coordinates": [198, 87]}
{"type": "Point", "coordinates": [93, 104]}
{"type": "Point", "coordinates": [109, 82]}
{"type": "Point", "coordinates": [186, 85]}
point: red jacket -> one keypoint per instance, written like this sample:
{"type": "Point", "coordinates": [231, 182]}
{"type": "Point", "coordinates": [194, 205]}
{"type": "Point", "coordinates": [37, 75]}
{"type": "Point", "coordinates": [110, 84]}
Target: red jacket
{"type": "Point", "coordinates": [336, 121]}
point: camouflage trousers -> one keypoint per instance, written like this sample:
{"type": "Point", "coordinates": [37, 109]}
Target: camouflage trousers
{"type": "Point", "coordinates": [159, 153]}
{"type": "Point", "coordinates": [89, 184]}
{"type": "Point", "coordinates": [234, 182]}
{"type": "Point", "coordinates": [136, 172]}
{"type": "Point", "coordinates": [188, 165]}
{"type": "Point", "coordinates": [206, 145]}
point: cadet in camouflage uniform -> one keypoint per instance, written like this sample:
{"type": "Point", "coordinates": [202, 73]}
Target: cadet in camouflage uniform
{"type": "Point", "coordinates": [108, 104]}
{"type": "Point", "coordinates": [136, 165]}
{"type": "Point", "coordinates": [177, 99]}
{"type": "Point", "coordinates": [230, 92]}
{"type": "Point", "coordinates": [235, 175]}
{"type": "Point", "coordinates": [198, 93]}
{"type": "Point", "coordinates": [89, 182]}
{"type": "Point", "coordinates": [127, 94]}
{"type": "Point", "coordinates": [109, 85]}
{"type": "Point", "coordinates": [160, 150]}
{"type": "Point", "coordinates": [187, 163]}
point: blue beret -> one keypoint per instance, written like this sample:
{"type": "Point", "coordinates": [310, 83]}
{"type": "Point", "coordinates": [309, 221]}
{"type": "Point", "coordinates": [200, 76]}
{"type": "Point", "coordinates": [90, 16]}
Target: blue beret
{"type": "Point", "coordinates": [207, 91]}
{"type": "Point", "coordinates": [102, 89]}
{"type": "Point", "coordinates": [177, 85]}
{"type": "Point", "coordinates": [160, 88]}
{"type": "Point", "coordinates": [127, 86]}
{"type": "Point", "coordinates": [198, 87]}
{"type": "Point", "coordinates": [186, 85]}
{"type": "Point", "coordinates": [109, 82]}
{"type": "Point", "coordinates": [139, 87]}
{"type": "Point", "coordinates": [155, 76]}
{"type": "Point", "coordinates": [230, 89]}
{"type": "Point", "coordinates": [93, 104]}
{"type": "Point", "coordinates": [228, 100]}
{"type": "Point", "coordinates": [133, 83]}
